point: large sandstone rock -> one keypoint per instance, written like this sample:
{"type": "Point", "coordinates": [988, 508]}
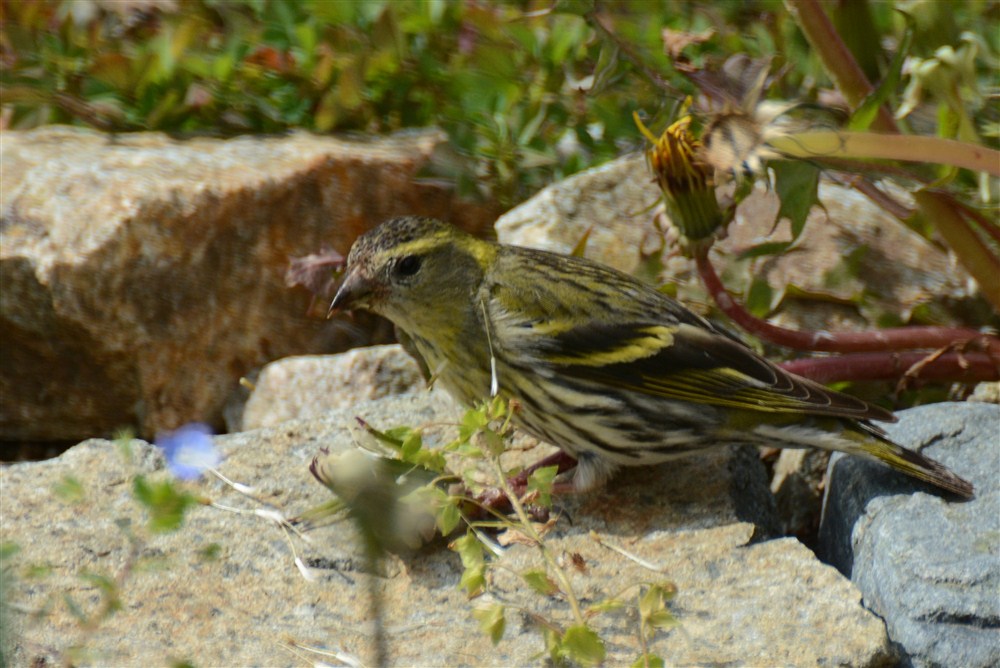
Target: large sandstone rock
{"type": "Point", "coordinates": [142, 275]}
{"type": "Point", "coordinates": [224, 590]}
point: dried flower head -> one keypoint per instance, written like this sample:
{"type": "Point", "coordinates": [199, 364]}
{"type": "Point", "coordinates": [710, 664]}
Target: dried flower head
{"type": "Point", "coordinates": [687, 183]}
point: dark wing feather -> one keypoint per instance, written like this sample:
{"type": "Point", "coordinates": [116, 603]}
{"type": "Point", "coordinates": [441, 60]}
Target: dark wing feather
{"type": "Point", "coordinates": [636, 338]}
{"type": "Point", "coordinates": [688, 363]}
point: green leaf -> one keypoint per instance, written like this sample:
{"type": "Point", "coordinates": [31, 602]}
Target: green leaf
{"type": "Point", "coordinates": [607, 605]}
{"type": "Point", "coordinates": [473, 580]}
{"type": "Point", "coordinates": [165, 503]}
{"type": "Point", "coordinates": [797, 186]}
{"type": "Point", "coordinates": [491, 621]}
{"type": "Point", "coordinates": [447, 517]}
{"type": "Point", "coordinates": [474, 420]}
{"type": "Point", "coordinates": [471, 552]}
{"type": "Point", "coordinates": [866, 112]}
{"type": "Point", "coordinates": [553, 644]}
{"type": "Point", "coordinates": [430, 459]}
{"type": "Point", "coordinates": [469, 549]}
{"type": "Point", "coordinates": [653, 606]}
{"type": "Point", "coordinates": [498, 408]}
{"type": "Point", "coordinates": [648, 661]}
{"type": "Point", "coordinates": [767, 248]}
{"type": "Point", "coordinates": [661, 619]}
{"type": "Point", "coordinates": [493, 442]}
{"type": "Point", "coordinates": [759, 298]}
{"type": "Point", "coordinates": [393, 437]}
{"type": "Point", "coordinates": [584, 645]}
{"type": "Point", "coordinates": [412, 443]}
{"type": "Point", "coordinates": [651, 601]}
{"type": "Point", "coordinates": [540, 481]}
{"type": "Point", "coordinates": [540, 581]}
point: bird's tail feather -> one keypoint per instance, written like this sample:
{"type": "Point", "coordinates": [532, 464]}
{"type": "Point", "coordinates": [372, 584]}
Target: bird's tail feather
{"type": "Point", "coordinates": [912, 463]}
{"type": "Point", "coordinates": [866, 440]}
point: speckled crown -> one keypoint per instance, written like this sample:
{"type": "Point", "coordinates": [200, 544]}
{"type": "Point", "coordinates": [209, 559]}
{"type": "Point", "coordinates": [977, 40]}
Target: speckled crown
{"type": "Point", "coordinates": [396, 231]}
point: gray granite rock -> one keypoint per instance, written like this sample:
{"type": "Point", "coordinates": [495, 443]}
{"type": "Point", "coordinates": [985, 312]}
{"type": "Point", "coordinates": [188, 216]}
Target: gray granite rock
{"type": "Point", "coordinates": [224, 590]}
{"type": "Point", "coordinates": [928, 565]}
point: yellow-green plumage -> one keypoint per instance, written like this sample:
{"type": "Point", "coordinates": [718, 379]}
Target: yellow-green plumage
{"type": "Point", "coordinates": [605, 367]}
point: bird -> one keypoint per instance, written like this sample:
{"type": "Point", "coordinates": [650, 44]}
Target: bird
{"type": "Point", "coordinates": [603, 366]}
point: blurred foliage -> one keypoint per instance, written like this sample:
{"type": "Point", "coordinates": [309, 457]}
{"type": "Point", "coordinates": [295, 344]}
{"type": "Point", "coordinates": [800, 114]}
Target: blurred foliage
{"type": "Point", "coordinates": [528, 92]}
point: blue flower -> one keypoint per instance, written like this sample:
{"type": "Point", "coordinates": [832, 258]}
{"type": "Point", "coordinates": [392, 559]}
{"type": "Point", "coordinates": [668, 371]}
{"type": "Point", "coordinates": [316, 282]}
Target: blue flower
{"type": "Point", "coordinates": [189, 450]}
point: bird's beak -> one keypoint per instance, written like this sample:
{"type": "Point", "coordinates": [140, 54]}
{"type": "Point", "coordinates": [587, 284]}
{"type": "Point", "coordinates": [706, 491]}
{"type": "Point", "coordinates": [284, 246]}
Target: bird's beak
{"type": "Point", "coordinates": [353, 292]}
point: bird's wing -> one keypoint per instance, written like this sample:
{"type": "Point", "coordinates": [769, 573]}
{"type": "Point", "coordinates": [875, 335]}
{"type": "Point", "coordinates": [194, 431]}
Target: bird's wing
{"type": "Point", "coordinates": [605, 327]}
{"type": "Point", "coordinates": [689, 363]}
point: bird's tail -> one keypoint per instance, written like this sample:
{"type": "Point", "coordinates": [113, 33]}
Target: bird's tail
{"type": "Point", "coordinates": [872, 444]}
{"type": "Point", "coordinates": [865, 440]}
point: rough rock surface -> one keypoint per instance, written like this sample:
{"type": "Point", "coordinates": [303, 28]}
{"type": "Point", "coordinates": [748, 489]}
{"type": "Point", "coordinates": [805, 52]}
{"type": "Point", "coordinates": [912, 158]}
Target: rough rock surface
{"type": "Point", "coordinates": [224, 590]}
{"type": "Point", "coordinates": [987, 392]}
{"type": "Point", "coordinates": [929, 566]}
{"type": "Point", "coordinates": [614, 202]}
{"type": "Point", "coordinates": [142, 275]}
{"type": "Point", "coordinates": [312, 385]}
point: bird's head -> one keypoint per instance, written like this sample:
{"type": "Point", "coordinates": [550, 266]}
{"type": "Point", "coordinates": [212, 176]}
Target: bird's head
{"type": "Point", "coordinates": [414, 271]}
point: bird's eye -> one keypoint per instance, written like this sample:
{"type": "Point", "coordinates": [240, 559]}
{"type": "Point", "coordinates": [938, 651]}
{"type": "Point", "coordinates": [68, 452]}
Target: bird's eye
{"type": "Point", "coordinates": [408, 266]}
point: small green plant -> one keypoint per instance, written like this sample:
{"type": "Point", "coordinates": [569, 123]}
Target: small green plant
{"type": "Point", "coordinates": [423, 484]}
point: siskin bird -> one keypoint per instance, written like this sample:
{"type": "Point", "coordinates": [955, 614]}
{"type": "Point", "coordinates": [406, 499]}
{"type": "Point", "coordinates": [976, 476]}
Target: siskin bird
{"type": "Point", "coordinates": [605, 367]}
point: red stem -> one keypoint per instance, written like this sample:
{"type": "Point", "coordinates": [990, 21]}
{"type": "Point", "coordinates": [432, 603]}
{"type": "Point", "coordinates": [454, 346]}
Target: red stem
{"type": "Point", "coordinates": [900, 338]}
{"type": "Point", "coordinates": [959, 367]}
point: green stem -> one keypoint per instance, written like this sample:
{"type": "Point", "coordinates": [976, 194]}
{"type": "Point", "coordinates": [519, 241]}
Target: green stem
{"type": "Point", "coordinates": [529, 529]}
{"type": "Point", "coordinates": [837, 60]}
{"type": "Point", "coordinates": [976, 256]}
{"type": "Point", "coordinates": [870, 145]}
